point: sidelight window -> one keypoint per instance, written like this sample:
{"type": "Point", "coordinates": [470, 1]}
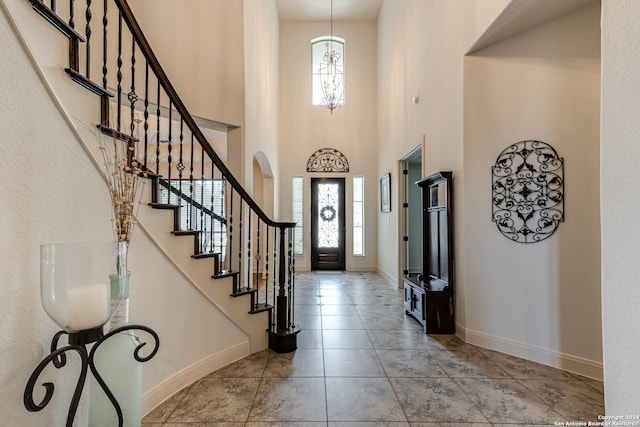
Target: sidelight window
{"type": "Point", "coordinates": [297, 215]}
{"type": "Point", "coordinates": [358, 215]}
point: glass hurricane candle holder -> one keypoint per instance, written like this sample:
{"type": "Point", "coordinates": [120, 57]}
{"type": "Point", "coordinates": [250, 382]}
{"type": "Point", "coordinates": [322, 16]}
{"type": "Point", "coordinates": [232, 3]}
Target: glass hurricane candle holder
{"type": "Point", "coordinates": [75, 286]}
{"type": "Point", "coordinates": [82, 286]}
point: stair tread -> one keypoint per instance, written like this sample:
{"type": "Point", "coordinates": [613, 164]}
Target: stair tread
{"type": "Point", "coordinates": [225, 273]}
{"type": "Point", "coordinates": [205, 255]}
{"type": "Point", "coordinates": [243, 291]}
{"type": "Point", "coordinates": [260, 308]}
{"type": "Point", "coordinates": [186, 232]}
{"type": "Point", "coordinates": [55, 20]}
{"type": "Point", "coordinates": [87, 83]}
{"type": "Point", "coordinates": [117, 134]}
{"type": "Point", "coordinates": [164, 206]}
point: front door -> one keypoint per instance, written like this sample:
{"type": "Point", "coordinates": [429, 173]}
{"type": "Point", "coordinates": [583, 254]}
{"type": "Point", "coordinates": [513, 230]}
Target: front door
{"type": "Point", "coordinates": [327, 224]}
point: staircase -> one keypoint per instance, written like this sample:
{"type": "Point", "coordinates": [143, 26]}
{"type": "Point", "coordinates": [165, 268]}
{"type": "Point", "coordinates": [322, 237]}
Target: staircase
{"type": "Point", "coordinates": [247, 253]}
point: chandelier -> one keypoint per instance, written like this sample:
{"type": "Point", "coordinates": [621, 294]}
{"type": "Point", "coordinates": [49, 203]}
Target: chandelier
{"type": "Point", "coordinates": [331, 72]}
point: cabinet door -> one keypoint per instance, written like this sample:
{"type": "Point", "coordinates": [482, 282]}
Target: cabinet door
{"type": "Point", "coordinates": [418, 305]}
{"type": "Point", "coordinates": [407, 298]}
{"type": "Point", "coordinates": [437, 225]}
{"type": "Point", "coordinates": [414, 300]}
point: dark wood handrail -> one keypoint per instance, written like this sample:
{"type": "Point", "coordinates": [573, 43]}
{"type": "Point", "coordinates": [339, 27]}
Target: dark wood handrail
{"type": "Point", "coordinates": [154, 64]}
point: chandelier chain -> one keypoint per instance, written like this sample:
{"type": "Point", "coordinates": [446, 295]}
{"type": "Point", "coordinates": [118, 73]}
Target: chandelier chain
{"type": "Point", "coordinates": [331, 24]}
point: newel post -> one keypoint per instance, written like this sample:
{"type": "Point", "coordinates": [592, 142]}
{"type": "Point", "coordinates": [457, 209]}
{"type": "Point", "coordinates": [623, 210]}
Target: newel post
{"type": "Point", "coordinates": [281, 301]}
{"type": "Point", "coordinates": [282, 335]}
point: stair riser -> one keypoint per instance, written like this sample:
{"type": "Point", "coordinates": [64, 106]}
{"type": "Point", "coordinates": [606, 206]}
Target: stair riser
{"type": "Point", "coordinates": [179, 250]}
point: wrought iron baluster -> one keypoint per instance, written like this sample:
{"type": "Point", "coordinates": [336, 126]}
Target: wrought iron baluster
{"type": "Point", "coordinates": [213, 211]}
{"type": "Point", "coordinates": [222, 214]}
{"type": "Point", "coordinates": [230, 237]}
{"type": "Point", "coordinates": [240, 243]}
{"type": "Point", "coordinates": [281, 323]}
{"type": "Point", "coordinates": [291, 264]}
{"type": "Point", "coordinates": [180, 166]}
{"type": "Point", "coordinates": [193, 198]}
{"type": "Point", "coordinates": [53, 5]}
{"type": "Point", "coordinates": [249, 239]}
{"type": "Point", "coordinates": [105, 24]}
{"type": "Point", "coordinates": [119, 74]}
{"type": "Point", "coordinates": [88, 34]}
{"type": "Point", "coordinates": [275, 285]}
{"type": "Point", "coordinates": [257, 256]}
{"type": "Point", "coordinates": [266, 266]}
{"type": "Point", "coordinates": [201, 202]}
{"type": "Point", "coordinates": [133, 98]}
{"type": "Point", "coordinates": [169, 148]}
{"type": "Point", "coordinates": [72, 23]}
{"type": "Point", "coordinates": [158, 131]}
{"type": "Point", "coordinates": [146, 115]}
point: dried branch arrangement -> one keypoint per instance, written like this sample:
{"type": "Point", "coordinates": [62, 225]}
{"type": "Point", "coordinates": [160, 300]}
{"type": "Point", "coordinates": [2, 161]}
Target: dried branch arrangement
{"type": "Point", "coordinates": [126, 178]}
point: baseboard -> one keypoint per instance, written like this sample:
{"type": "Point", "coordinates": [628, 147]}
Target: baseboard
{"type": "Point", "coordinates": [356, 268]}
{"type": "Point", "coordinates": [176, 382]}
{"type": "Point", "coordinates": [387, 276]}
{"type": "Point", "coordinates": [555, 359]}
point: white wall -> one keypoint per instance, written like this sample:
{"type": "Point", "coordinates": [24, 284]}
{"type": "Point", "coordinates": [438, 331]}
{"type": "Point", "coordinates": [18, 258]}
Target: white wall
{"type": "Point", "coordinates": [351, 129]}
{"type": "Point", "coordinates": [53, 192]}
{"type": "Point", "coordinates": [201, 49]}
{"type": "Point", "coordinates": [262, 92]}
{"type": "Point", "coordinates": [540, 301]}
{"type": "Point", "coordinates": [620, 205]}
{"type": "Point", "coordinates": [421, 45]}
{"type": "Point", "coordinates": [200, 46]}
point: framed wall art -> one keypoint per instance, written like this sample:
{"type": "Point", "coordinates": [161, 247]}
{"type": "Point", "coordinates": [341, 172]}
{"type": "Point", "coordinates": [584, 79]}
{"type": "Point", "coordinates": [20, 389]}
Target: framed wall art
{"type": "Point", "coordinates": [385, 193]}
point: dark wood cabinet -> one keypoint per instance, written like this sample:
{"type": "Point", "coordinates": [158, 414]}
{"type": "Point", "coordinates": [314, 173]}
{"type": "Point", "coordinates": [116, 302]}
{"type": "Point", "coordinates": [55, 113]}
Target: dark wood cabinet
{"type": "Point", "coordinates": [430, 297]}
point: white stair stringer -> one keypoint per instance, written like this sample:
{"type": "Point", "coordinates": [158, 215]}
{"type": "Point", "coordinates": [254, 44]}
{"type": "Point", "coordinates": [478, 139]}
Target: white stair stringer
{"type": "Point", "coordinates": [157, 223]}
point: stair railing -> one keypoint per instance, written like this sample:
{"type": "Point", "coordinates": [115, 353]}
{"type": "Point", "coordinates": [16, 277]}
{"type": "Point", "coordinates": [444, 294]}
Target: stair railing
{"type": "Point", "coordinates": [140, 106]}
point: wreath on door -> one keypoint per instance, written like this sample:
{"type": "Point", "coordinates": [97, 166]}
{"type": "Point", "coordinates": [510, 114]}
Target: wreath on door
{"type": "Point", "coordinates": [328, 213]}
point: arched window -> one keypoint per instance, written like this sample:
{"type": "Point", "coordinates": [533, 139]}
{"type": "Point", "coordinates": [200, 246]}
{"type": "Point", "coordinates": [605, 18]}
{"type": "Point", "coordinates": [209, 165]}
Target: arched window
{"type": "Point", "coordinates": [327, 71]}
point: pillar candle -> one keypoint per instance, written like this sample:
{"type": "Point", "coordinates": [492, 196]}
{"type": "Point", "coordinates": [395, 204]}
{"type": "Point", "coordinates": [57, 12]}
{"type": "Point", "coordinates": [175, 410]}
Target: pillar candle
{"type": "Point", "coordinates": [88, 307]}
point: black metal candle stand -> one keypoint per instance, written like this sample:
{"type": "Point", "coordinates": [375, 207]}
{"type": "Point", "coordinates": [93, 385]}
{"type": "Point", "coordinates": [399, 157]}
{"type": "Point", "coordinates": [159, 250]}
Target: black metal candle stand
{"type": "Point", "coordinates": [77, 341]}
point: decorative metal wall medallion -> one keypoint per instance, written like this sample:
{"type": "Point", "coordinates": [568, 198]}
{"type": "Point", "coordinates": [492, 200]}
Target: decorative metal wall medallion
{"type": "Point", "coordinates": [327, 160]}
{"type": "Point", "coordinates": [528, 191]}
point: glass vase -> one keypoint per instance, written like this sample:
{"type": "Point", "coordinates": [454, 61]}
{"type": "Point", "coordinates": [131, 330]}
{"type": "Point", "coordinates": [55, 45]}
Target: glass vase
{"type": "Point", "coordinates": [116, 364]}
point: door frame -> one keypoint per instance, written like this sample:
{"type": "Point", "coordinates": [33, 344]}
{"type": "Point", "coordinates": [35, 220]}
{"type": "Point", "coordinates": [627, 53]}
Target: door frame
{"type": "Point", "coordinates": [342, 233]}
{"type": "Point", "coordinates": [415, 152]}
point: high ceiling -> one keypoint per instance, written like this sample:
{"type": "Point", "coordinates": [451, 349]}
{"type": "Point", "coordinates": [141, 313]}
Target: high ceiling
{"type": "Point", "coordinates": [320, 10]}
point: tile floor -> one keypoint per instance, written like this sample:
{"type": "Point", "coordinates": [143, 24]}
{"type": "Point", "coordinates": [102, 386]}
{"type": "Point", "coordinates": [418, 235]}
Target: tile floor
{"type": "Point", "coordinates": [362, 362]}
